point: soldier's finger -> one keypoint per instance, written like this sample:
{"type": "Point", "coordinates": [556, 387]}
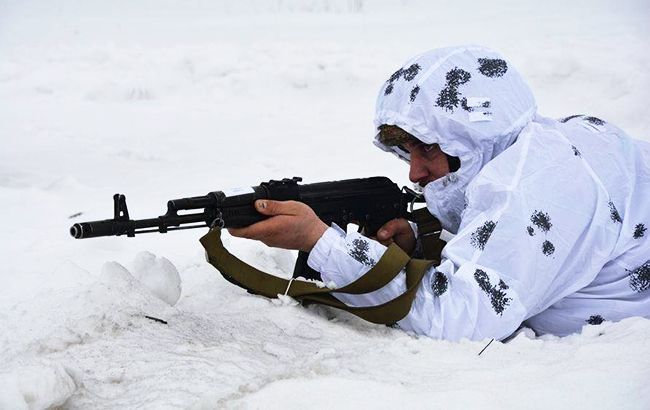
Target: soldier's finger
{"type": "Point", "coordinates": [388, 230]}
{"type": "Point", "coordinates": [238, 232]}
{"type": "Point", "coordinates": [258, 230]}
{"type": "Point", "coordinates": [270, 207]}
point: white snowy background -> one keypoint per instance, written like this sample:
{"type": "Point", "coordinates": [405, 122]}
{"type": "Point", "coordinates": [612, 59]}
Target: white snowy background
{"type": "Point", "coordinates": [166, 99]}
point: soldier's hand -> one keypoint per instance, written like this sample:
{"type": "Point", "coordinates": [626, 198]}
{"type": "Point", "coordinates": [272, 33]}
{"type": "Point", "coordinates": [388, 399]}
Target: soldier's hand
{"type": "Point", "coordinates": [398, 231]}
{"type": "Point", "coordinates": [292, 225]}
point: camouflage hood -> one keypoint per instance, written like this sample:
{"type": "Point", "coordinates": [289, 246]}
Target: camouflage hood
{"type": "Point", "coordinates": [470, 101]}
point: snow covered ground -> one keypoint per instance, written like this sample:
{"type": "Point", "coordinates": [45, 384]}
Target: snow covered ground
{"type": "Point", "coordinates": [166, 99]}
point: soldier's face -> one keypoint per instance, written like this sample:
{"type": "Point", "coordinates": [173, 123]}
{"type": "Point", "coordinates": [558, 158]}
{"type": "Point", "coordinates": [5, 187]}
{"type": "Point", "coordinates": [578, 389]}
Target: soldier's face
{"type": "Point", "coordinates": [428, 162]}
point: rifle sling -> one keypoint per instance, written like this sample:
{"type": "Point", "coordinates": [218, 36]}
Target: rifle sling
{"type": "Point", "coordinates": [429, 230]}
{"type": "Point", "coordinates": [389, 266]}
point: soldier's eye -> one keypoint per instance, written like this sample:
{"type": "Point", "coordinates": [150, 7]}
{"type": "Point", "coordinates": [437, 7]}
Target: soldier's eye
{"type": "Point", "coordinates": [428, 147]}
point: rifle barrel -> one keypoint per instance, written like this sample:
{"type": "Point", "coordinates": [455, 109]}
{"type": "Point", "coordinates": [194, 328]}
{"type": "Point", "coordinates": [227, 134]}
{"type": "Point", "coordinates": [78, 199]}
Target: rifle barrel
{"type": "Point", "coordinates": [130, 227]}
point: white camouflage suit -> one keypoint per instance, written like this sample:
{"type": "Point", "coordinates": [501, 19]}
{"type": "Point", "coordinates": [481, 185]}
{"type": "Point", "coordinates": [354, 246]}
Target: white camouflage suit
{"type": "Point", "coordinates": [550, 216]}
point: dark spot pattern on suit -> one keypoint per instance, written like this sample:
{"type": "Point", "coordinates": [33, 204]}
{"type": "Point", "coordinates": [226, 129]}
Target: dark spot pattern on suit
{"type": "Point", "coordinates": [569, 118]}
{"type": "Point", "coordinates": [359, 251]}
{"type": "Point", "coordinates": [595, 320]}
{"type": "Point", "coordinates": [414, 92]}
{"type": "Point", "coordinates": [480, 236]}
{"type": "Point", "coordinates": [530, 230]}
{"type": "Point", "coordinates": [410, 73]}
{"type": "Point", "coordinates": [639, 231]}
{"type": "Point", "coordinates": [407, 74]}
{"type": "Point", "coordinates": [576, 152]}
{"type": "Point", "coordinates": [492, 67]}
{"type": "Point", "coordinates": [548, 248]}
{"type": "Point", "coordinates": [640, 277]}
{"type": "Point", "coordinates": [595, 121]}
{"type": "Point", "coordinates": [463, 104]}
{"type": "Point", "coordinates": [449, 97]}
{"type": "Point", "coordinates": [395, 76]}
{"type": "Point", "coordinates": [440, 284]}
{"type": "Point", "coordinates": [541, 220]}
{"type": "Point", "coordinates": [497, 294]}
{"type": "Point", "coordinates": [613, 213]}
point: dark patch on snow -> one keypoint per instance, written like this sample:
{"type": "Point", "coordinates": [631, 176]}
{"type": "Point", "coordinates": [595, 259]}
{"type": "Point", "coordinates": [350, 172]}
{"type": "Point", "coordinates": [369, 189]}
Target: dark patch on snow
{"type": "Point", "coordinates": [639, 231]}
{"type": "Point", "coordinates": [449, 97]}
{"type": "Point", "coordinates": [492, 67]}
{"type": "Point", "coordinates": [595, 121]}
{"type": "Point", "coordinates": [541, 220]}
{"type": "Point", "coordinates": [640, 277]}
{"type": "Point", "coordinates": [440, 284]}
{"type": "Point", "coordinates": [565, 119]}
{"type": "Point", "coordinates": [481, 235]}
{"type": "Point", "coordinates": [359, 252]}
{"type": "Point", "coordinates": [414, 92]}
{"type": "Point", "coordinates": [613, 213]}
{"type": "Point", "coordinates": [576, 152]}
{"type": "Point", "coordinates": [497, 294]}
{"type": "Point", "coordinates": [530, 230]}
{"type": "Point", "coordinates": [595, 320]}
{"type": "Point", "coordinates": [548, 248]}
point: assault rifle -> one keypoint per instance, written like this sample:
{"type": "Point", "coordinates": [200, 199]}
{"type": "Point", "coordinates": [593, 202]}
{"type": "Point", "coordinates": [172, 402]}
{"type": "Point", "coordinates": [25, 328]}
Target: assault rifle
{"type": "Point", "coordinates": [367, 202]}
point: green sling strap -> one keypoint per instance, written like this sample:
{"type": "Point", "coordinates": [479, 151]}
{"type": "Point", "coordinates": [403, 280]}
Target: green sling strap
{"type": "Point", "coordinates": [429, 230]}
{"type": "Point", "coordinates": [389, 266]}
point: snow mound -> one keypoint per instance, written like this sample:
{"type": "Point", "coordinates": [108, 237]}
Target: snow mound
{"type": "Point", "coordinates": [82, 314]}
{"type": "Point", "coordinates": [37, 384]}
{"type": "Point", "coordinates": [158, 275]}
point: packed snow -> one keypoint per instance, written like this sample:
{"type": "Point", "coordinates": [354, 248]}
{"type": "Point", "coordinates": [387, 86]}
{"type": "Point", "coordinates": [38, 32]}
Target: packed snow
{"type": "Point", "coordinates": [169, 99]}
{"type": "Point", "coordinates": [158, 275]}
